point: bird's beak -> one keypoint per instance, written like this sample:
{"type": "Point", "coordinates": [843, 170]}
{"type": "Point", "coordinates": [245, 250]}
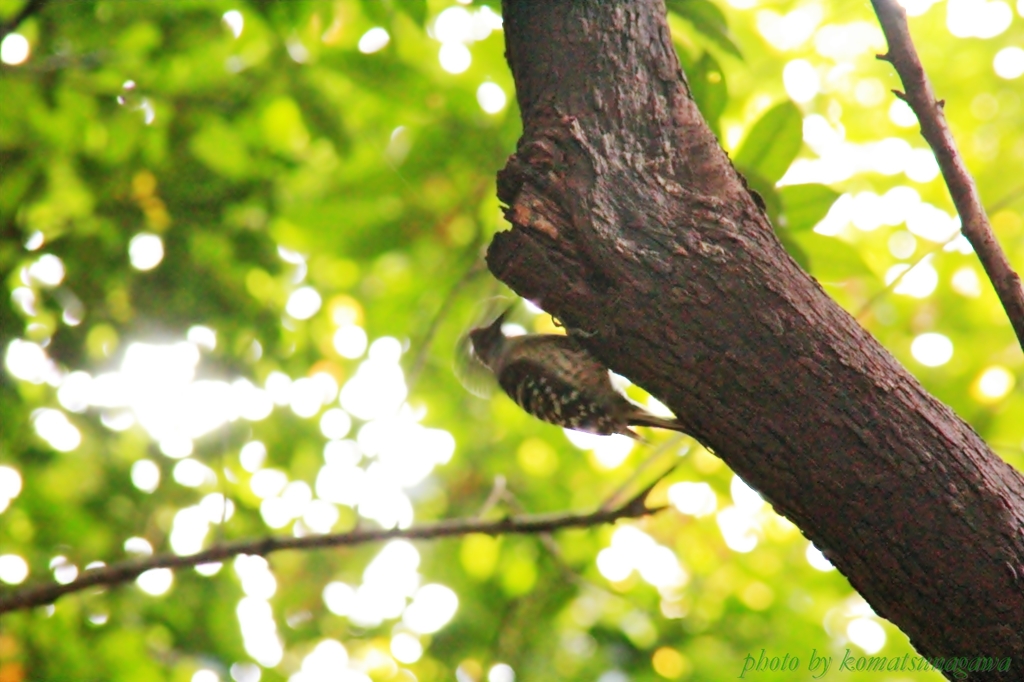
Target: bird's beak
{"type": "Point", "coordinates": [501, 319]}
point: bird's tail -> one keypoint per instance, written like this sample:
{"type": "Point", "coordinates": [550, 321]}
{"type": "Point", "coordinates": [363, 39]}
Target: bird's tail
{"type": "Point", "coordinates": [647, 419]}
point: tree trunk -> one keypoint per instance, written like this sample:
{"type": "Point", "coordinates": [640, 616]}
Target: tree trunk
{"type": "Point", "coordinates": [630, 223]}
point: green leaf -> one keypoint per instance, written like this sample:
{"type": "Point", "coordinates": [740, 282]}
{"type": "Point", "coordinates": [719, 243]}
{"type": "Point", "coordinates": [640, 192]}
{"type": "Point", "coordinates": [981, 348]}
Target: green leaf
{"type": "Point", "coordinates": [221, 149]}
{"type": "Point", "coordinates": [833, 259]}
{"type": "Point", "coordinates": [773, 142]}
{"type": "Point", "coordinates": [707, 84]}
{"type": "Point", "coordinates": [685, 59]}
{"type": "Point", "coordinates": [803, 206]}
{"type": "Point", "coordinates": [416, 9]}
{"type": "Point", "coordinates": [708, 20]}
{"type": "Point", "coordinates": [794, 249]}
{"type": "Point", "coordinates": [283, 128]}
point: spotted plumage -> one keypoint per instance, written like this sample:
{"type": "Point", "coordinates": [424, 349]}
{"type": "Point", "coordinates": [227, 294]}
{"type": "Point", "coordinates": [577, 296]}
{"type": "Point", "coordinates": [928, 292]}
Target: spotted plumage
{"type": "Point", "coordinates": [556, 379]}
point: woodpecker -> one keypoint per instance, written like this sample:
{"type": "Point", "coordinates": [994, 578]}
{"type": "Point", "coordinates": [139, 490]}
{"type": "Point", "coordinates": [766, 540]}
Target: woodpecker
{"type": "Point", "coordinates": [557, 380]}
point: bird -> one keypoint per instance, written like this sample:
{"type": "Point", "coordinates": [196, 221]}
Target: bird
{"type": "Point", "coordinates": [554, 378]}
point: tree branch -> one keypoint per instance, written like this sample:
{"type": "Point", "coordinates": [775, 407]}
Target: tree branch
{"type": "Point", "coordinates": [662, 448]}
{"type": "Point", "coordinates": [31, 7]}
{"type": "Point", "coordinates": [475, 268]}
{"type": "Point", "coordinates": [921, 98]}
{"type": "Point", "coordinates": [523, 525]}
{"type": "Point", "coordinates": [891, 286]}
{"type": "Point", "coordinates": [629, 221]}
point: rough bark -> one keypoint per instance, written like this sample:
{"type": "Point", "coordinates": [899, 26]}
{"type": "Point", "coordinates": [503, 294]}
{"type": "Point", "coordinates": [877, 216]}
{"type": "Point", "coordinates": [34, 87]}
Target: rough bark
{"type": "Point", "coordinates": [630, 223]}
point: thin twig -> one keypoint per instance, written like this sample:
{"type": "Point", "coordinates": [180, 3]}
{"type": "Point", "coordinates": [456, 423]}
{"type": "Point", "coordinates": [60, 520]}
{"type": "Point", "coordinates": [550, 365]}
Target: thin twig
{"type": "Point", "coordinates": [31, 7]}
{"type": "Point", "coordinates": [647, 490]}
{"type": "Point", "coordinates": [495, 496]}
{"type": "Point", "coordinates": [658, 452]}
{"type": "Point", "coordinates": [919, 95]}
{"type": "Point", "coordinates": [1012, 197]}
{"type": "Point", "coordinates": [546, 539]}
{"type": "Point", "coordinates": [129, 570]}
{"type": "Point", "coordinates": [475, 268]}
{"type": "Point", "coordinates": [222, 482]}
{"type": "Point", "coordinates": [1002, 203]}
{"type": "Point", "coordinates": [891, 286]}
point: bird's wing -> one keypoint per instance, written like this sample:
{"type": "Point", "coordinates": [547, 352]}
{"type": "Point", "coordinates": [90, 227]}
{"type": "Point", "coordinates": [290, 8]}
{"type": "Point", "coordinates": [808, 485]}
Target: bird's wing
{"type": "Point", "coordinates": [473, 374]}
{"type": "Point", "coordinates": [548, 396]}
{"type": "Point", "coordinates": [566, 359]}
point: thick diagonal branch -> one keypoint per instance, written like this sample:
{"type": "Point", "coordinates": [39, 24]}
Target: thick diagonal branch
{"type": "Point", "coordinates": [630, 223]}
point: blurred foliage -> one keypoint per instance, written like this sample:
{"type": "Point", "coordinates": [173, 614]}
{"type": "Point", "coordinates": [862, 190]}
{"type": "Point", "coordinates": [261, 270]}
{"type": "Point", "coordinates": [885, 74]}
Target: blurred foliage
{"type": "Point", "coordinates": [286, 157]}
